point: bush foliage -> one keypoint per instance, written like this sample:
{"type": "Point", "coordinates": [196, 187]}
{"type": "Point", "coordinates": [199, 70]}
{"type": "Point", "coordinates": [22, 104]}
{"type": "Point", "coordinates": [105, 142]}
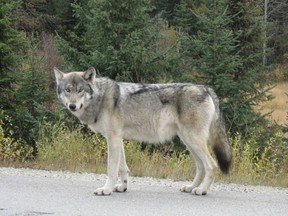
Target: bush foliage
{"type": "Point", "coordinates": [12, 150]}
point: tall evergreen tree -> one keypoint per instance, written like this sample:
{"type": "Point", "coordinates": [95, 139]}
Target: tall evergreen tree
{"type": "Point", "coordinates": [248, 27]}
{"type": "Point", "coordinates": [184, 19]}
{"type": "Point", "coordinates": [166, 8]}
{"type": "Point", "coordinates": [33, 94]}
{"type": "Point", "coordinates": [225, 61]}
{"type": "Point", "coordinates": [35, 17]}
{"type": "Point", "coordinates": [121, 40]}
{"type": "Point", "coordinates": [277, 31]}
{"type": "Point", "coordinates": [12, 42]}
{"type": "Point", "coordinates": [23, 89]}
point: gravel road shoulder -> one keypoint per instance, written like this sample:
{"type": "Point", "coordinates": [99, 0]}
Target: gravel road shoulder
{"type": "Point", "coordinates": [39, 192]}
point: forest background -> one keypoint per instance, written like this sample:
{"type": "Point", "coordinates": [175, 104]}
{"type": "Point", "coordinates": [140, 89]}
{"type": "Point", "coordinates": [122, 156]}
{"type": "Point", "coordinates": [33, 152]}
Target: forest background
{"type": "Point", "coordinates": [239, 48]}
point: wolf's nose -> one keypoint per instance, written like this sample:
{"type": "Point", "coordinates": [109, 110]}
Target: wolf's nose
{"type": "Point", "coordinates": [72, 107]}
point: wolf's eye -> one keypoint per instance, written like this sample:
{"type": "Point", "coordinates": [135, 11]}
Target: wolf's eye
{"type": "Point", "coordinates": [80, 90]}
{"type": "Point", "coordinates": [68, 90]}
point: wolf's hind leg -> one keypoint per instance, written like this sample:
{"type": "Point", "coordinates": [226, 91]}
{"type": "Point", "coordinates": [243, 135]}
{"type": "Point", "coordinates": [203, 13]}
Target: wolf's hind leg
{"type": "Point", "coordinates": [197, 144]}
{"type": "Point", "coordinates": [123, 171]}
{"type": "Point", "coordinates": [210, 167]}
{"type": "Point", "coordinates": [197, 179]}
{"type": "Point", "coordinates": [208, 162]}
{"type": "Point", "coordinates": [199, 166]}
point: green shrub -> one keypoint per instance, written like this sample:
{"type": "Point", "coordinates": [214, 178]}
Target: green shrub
{"type": "Point", "coordinates": [255, 165]}
{"type": "Point", "coordinates": [12, 150]}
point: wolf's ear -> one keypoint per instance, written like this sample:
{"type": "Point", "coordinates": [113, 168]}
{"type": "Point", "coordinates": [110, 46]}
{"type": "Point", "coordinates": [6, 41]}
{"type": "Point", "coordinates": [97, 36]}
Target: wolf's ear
{"type": "Point", "coordinates": [90, 74]}
{"type": "Point", "coordinates": [58, 74]}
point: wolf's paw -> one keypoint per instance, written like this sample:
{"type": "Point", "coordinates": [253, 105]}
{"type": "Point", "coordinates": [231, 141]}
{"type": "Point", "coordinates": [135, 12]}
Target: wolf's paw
{"type": "Point", "coordinates": [199, 191]}
{"type": "Point", "coordinates": [120, 188]}
{"type": "Point", "coordinates": [103, 191]}
{"type": "Point", "coordinates": [187, 188]}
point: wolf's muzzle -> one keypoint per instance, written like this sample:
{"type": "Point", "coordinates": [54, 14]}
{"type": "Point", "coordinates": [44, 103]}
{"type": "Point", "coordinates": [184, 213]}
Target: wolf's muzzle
{"type": "Point", "coordinates": [72, 107]}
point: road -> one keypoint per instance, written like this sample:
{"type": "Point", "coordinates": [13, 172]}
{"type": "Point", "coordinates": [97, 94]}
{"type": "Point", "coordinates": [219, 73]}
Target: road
{"type": "Point", "coordinates": [25, 192]}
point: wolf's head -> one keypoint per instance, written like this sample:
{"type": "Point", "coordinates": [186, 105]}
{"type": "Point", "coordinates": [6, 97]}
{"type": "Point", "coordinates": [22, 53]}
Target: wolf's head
{"type": "Point", "coordinates": [74, 89]}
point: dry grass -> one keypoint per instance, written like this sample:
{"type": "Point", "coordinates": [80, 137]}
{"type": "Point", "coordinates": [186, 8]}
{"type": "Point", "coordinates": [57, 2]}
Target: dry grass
{"type": "Point", "coordinates": [278, 106]}
{"type": "Point", "coordinates": [78, 152]}
{"type": "Point", "coordinates": [74, 151]}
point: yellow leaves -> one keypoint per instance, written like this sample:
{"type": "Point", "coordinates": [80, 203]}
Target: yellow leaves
{"type": "Point", "coordinates": [253, 164]}
{"type": "Point", "coordinates": [11, 149]}
{"type": "Point", "coordinates": [169, 39]}
{"type": "Point", "coordinates": [25, 67]}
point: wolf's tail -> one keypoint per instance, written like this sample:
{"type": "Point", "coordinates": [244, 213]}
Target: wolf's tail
{"type": "Point", "coordinates": [218, 136]}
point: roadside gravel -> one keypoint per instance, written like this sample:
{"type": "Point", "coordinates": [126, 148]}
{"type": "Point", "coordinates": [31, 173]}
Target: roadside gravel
{"type": "Point", "coordinates": [141, 181]}
{"type": "Point", "coordinates": [28, 192]}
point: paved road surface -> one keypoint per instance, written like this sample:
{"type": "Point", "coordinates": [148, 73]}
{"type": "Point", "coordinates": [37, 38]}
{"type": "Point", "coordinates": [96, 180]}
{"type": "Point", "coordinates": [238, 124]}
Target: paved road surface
{"type": "Point", "coordinates": [25, 192]}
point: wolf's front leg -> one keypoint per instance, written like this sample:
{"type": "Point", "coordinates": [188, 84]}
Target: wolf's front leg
{"type": "Point", "coordinates": [114, 154]}
{"type": "Point", "coordinates": [123, 170]}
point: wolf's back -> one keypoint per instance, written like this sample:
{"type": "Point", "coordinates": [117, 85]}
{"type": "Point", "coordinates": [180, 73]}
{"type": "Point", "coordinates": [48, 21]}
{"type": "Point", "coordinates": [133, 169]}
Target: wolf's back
{"type": "Point", "coordinates": [218, 137]}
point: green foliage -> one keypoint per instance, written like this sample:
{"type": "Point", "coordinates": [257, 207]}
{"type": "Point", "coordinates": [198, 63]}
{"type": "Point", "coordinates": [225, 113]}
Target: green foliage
{"type": "Point", "coordinates": [260, 165]}
{"type": "Point", "coordinates": [28, 102]}
{"type": "Point", "coordinates": [277, 26]}
{"type": "Point", "coordinates": [225, 61]}
{"type": "Point", "coordinates": [12, 150]}
{"type": "Point", "coordinates": [166, 8]}
{"type": "Point", "coordinates": [33, 94]}
{"type": "Point", "coordinates": [121, 40]}
{"type": "Point", "coordinates": [184, 20]}
{"type": "Point", "coordinates": [18, 95]}
{"type": "Point", "coordinates": [35, 16]}
{"type": "Point", "coordinates": [247, 25]}
{"type": "Point", "coordinates": [12, 42]}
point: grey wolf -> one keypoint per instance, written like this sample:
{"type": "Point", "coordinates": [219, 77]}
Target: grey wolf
{"type": "Point", "coordinates": [152, 113]}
